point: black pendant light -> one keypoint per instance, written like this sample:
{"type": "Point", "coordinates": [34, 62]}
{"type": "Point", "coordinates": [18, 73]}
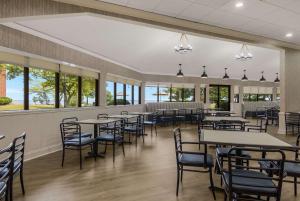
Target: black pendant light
{"type": "Point", "coordinates": [226, 76]}
{"type": "Point", "coordinates": [277, 78]}
{"type": "Point", "coordinates": [262, 79]}
{"type": "Point", "coordinates": [244, 78]}
{"type": "Point", "coordinates": [204, 75]}
{"type": "Point", "coordinates": [180, 74]}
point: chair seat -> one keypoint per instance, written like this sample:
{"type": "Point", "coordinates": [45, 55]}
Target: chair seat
{"type": "Point", "coordinates": [223, 152]}
{"type": "Point", "coordinates": [261, 185]}
{"type": "Point", "coordinates": [196, 160]}
{"type": "Point", "coordinates": [132, 128]}
{"type": "Point", "coordinates": [83, 134]}
{"type": "Point", "coordinates": [109, 137]}
{"type": "Point", "coordinates": [75, 141]}
{"type": "Point", "coordinates": [149, 122]}
{"type": "Point", "coordinates": [292, 169]}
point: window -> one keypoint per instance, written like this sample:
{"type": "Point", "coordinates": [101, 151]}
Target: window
{"type": "Point", "coordinates": [68, 90]}
{"type": "Point", "coordinates": [129, 94]}
{"type": "Point", "coordinates": [136, 98]}
{"type": "Point", "coordinates": [164, 94]}
{"type": "Point", "coordinates": [88, 92]}
{"type": "Point", "coordinates": [203, 94]}
{"type": "Point", "coordinates": [188, 94]}
{"type": "Point", "coordinates": [176, 95]}
{"type": "Point", "coordinates": [120, 94]}
{"type": "Point", "coordinates": [11, 87]}
{"type": "Point", "coordinates": [110, 93]}
{"type": "Point", "coordinates": [41, 89]}
{"type": "Point", "coordinates": [151, 94]}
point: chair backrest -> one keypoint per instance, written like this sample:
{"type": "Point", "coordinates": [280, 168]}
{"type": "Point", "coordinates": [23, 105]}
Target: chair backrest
{"type": "Point", "coordinates": [102, 116]}
{"type": "Point", "coordinates": [229, 125]}
{"type": "Point", "coordinates": [68, 129]}
{"type": "Point", "coordinates": [19, 149]}
{"type": "Point", "coordinates": [124, 113]}
{"type": "Point", "coordinates": [69, 119]}
{"type": "Point", "coordinates": [7, 165]}
{"type": "Point", "coordinates": [269, 168]}
{"type": "Point", "coordinates": [292, 118]}
{"type": "Point", "coordinates": [178, 143]}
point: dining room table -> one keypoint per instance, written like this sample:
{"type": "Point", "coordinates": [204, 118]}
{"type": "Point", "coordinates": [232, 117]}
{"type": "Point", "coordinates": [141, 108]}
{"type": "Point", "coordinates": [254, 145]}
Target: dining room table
{"type": "Point", "coordinates": [96, 123]}
{"type": "Point", "coordinates": [214, 120]}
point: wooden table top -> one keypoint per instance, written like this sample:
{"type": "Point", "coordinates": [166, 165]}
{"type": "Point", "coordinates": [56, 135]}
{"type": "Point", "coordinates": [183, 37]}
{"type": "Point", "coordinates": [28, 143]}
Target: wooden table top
{"type": "Point", "coordinates": [226, 118]}
{"type": "Point", "coordinates": [240, 138]}
{"type": "Point", "coordinates": [140, 113]}
{"type": "Point", "coordinates": [96, 121]}
{"type": "Point", "coordinates": [124, 116]}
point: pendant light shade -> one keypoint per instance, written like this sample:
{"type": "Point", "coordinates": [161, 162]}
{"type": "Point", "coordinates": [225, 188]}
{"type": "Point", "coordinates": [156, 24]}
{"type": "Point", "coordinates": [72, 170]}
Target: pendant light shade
{"type": "Point", "coordinates": [179, 74]}
{"type": "Point", "coordinates": [226, 76]}
{"type": "Point", "coordinates": [277, 78]}
{"type": "Point", "coordinates": [204, 75]}
{"type": "Point", "coordinates": [262, 79]}
{"type": "Point", "coordinates": [244, 78]}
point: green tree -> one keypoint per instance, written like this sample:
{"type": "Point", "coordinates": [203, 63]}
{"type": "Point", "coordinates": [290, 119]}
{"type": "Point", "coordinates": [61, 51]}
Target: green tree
{"type": "Point", "coordinates": [109, 98]}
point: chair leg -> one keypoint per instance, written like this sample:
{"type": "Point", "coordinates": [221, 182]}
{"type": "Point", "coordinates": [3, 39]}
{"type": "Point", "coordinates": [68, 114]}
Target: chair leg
{"type": "Point", "coordinates": [114, 151]}
{"type": "Point", "coordinates": [80, 157]}
{"type": "Point", "coordinates": [155, 129]}
{"type": "Point", "coordinates": [178, 175]}
{"type": "Point", "coordinates": [225, 196]}
{"type": "Point", "coordinates": [212, 183]}
{"type": "Point", "coordinates": [295, 186]}
{"type": "Point", "coordinates": [181, 175]}
{"type": "Point", "coordinates": [105, 148]}
{"type": "Point", "coordinates": [151, 129]}
{"type": "Point", "coordinates": [63, 157]}
{"type": "Point", "coordinates": [10, 186]}
{"type": "Point", "coordinates": [123, 149]}
{"type": "Point", "coordinates": [22, 181]}
{"type": "Point", "coordinates": [136, 137]}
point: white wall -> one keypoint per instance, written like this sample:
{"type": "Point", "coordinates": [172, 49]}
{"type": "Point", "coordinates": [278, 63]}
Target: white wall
{"type": "Point", "coordinates": [42, 127]}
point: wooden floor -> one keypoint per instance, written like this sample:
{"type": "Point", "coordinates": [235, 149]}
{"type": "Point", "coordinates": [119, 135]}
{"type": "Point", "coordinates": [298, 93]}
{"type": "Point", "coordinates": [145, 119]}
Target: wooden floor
{"type": "Point", "coordinates": [147, 173]}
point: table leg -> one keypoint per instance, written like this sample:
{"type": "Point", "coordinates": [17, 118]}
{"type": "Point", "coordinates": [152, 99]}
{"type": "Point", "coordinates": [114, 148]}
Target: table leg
{"type": "Point", "coordinates": [95, 146]}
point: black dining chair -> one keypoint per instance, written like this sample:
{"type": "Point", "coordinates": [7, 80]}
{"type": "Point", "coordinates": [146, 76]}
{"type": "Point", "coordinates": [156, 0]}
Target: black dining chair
{"type": "Point", "coordinates": [253, 181]}
{"type": "Point", "coordinates": [124, 113]}
{"type": "Point", "coordinates": [6, 172]}
{"type": "Point", "coordinates": [292, 121]}
{"type": "Point", "coordinates": [152, 121]}
{"type": "Point", "coordinates": [18, 147]}
{"type": "Point", "coordinates": [261, 126]}
{"type": "Point", "coordinates": [104, 126]}
{"type": "Point", "coordinates": [113, 136]}
{"type": "Point", "coordinates": [76, 132]}
{"type": "Point", "coordinates": [135, 127]}
{"type": "Point", "coordinates": [180, 116]}
{"type": "Point", "coordinates": [292, 167]}
{"type": "Point", "coordinates": [191, 160]}
{"type": "Point", "coordinates": [68, 130]}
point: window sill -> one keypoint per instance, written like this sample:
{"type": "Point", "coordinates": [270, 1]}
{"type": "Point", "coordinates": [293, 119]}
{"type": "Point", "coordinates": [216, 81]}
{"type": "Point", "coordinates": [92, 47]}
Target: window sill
{"type": "Point", "coordinates": [57, 110]}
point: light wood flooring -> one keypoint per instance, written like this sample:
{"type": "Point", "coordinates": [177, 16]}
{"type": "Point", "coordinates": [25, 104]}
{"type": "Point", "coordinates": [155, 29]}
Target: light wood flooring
{"type": "Point", "coordinates": [146, 173]}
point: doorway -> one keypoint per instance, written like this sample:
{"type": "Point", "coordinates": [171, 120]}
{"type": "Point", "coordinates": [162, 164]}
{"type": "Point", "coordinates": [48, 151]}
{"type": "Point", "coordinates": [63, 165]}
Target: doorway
{"type": "Point", "coordinates": [219, 97]}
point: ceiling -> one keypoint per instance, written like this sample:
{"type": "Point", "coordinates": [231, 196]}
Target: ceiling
{"type": "Point", "coordinates": [269, 18]}
{"type": "Point", "coordinates": [148, 49]}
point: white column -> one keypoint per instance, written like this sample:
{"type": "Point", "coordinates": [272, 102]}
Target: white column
{"type": "Point", "coordinates": [143, 93]}
{"type": "Point", "coordinates": [289, 85]}
{"type": "Point", "coordinates": [102, 89]}
{"type": "Point", "coordinates": [274, 93]}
